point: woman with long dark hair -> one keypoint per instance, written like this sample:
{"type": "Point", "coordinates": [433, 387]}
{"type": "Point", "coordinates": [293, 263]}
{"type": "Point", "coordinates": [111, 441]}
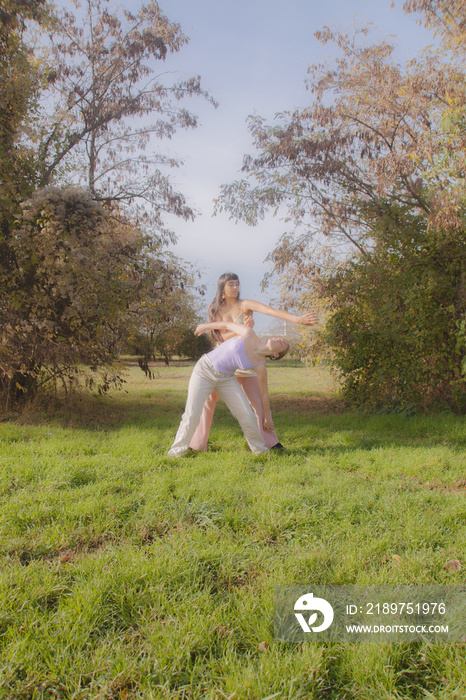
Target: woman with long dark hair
{"type": "Point", "coordinates": [228, 306]}
{"type": "Point", "coordinates": [215, 371]}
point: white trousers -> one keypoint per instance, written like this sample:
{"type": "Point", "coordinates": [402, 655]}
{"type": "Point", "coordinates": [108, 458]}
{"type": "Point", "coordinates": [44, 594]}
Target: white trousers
{"type": "Point", "coordinates": [204, 380]}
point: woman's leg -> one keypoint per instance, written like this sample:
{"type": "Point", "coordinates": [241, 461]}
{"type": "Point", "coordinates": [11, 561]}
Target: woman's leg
{"type": "Point", "coordinates": [250, 386]}
{"type": "Point", "coordinates": [200, 386]}
{"type": "Point", "coordinates": [201, 435]}
{"type": "Point", "coordinates": [235, 399]}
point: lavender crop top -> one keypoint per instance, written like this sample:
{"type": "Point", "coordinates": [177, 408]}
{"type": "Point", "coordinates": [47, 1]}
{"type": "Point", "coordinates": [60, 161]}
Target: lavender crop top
{"type": "Point", "coordinates": [230, 356]}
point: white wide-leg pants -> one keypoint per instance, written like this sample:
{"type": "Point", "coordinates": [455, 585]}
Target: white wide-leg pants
{"type": "Point", "coordinates": [204, 380]}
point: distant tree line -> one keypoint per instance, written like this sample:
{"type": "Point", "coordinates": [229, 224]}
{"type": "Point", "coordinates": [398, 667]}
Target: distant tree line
{"type": "Point", "coordinates": [371, 177]}
{"type": "Point", "coordinates": [83, 191]}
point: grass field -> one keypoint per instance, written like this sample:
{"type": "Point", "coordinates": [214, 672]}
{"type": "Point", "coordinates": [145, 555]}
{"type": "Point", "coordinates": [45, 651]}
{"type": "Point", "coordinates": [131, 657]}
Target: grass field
{"type": "Point", "coordinates": [125, 574]}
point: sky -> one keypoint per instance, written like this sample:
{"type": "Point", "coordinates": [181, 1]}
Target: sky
{"type": "Point", "coordinates": [252, 56]}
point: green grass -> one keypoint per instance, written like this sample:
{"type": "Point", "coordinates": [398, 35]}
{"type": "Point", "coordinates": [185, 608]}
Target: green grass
{"type": "Point", "coordinates": [125, 574]}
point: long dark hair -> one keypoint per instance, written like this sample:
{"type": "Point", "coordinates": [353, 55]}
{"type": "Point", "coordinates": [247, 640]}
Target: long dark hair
{"type": "Point", "coordinates": [219, 300]}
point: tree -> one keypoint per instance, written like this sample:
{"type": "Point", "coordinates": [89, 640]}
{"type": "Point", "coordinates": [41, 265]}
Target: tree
{"type": "Point", "coordinates": [443, 16]}
{"type": "Point", "coordinates": [82, 274]}
{"type": "Point", "coordinates": [77, 265]}
{"type": "Point", "coordinates": [379, 150]}
{"type": "Point", "coordinates": [112, 103]}
{"type": "Point", "coordinates": [19, 79]}
{"type": "Point", "coordinates": [72, 277]}
{"type": "Point", "coordinates": [192, 346]}
{"type": "Point", "coordinates": [397, 328]}
{"type": "Point", "coordinates": [164, 321]}
{"type": "Point", "coordinates": [17, 72]}
{"type": "Point", "coordinates": [371, 134]}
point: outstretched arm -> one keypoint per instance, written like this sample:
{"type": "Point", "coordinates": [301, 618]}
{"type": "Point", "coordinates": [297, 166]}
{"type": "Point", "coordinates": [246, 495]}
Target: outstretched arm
{"type": "Point", "coordinates": [235, 328]}
{"type": "Point", "coordinates": [249, 305]}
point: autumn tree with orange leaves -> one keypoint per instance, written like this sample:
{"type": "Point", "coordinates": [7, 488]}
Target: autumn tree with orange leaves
{"type": "Point", "coordinates": [371, 171]}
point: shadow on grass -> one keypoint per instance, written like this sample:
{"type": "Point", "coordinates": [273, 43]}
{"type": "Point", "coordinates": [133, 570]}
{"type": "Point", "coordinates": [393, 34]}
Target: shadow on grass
{"type": "Point", "coordinates": [314, 415]}
{"type": "Point", "coordinates": [312, 403]}
{"type": "Point", "coordinates": [94, 412]}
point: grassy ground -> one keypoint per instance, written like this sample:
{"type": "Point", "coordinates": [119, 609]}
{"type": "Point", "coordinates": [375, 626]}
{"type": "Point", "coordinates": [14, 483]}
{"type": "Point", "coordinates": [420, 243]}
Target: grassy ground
{"type": "Point", "coordinates": [125, 574]}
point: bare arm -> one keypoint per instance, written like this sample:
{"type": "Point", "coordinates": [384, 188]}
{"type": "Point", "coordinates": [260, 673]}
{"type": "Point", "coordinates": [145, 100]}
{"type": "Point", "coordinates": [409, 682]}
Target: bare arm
{"type": "Point", "coordinates": [248, 321]}
{"type": "Point", "coordinates": [237, 329]}
{"type": "Point", "coordinates": [308, 319]}
{"type": "Point", "coordinates": [261, 371]}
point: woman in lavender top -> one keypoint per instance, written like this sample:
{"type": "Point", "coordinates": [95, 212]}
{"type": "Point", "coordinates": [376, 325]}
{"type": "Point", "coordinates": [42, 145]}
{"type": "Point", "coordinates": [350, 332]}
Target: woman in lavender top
{"type": "Point", "coordinates": [228, 306]}
{"type": "Point", "coordinates": [215, 371]}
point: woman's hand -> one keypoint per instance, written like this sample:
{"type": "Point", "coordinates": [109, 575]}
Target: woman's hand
{"type": "Point", "coordinates": [309, 319]}
{"type": "Point", "coordinates": [249, 321]}
{"type": "Point", "coordinates": [200, 329]}
{"type": "Point", "coordinates": [268, 424]}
